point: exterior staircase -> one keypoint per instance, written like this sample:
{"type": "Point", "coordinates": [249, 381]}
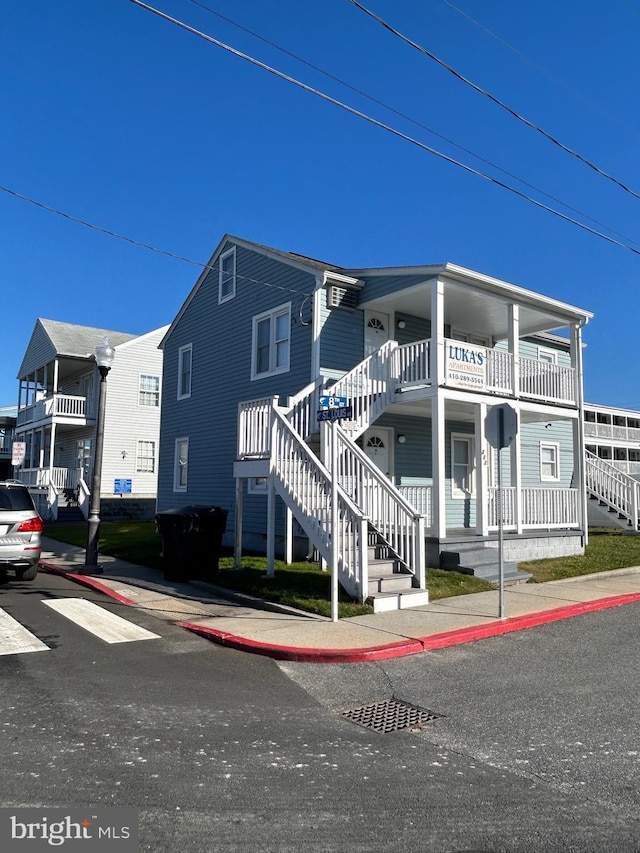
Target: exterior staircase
{"type": "Point", "coordinates": [613, 489]}
{"type": "Point", "coordinates": [68, 510]}
{"type": "Point", "coordinates": [482, 562]}
{"type": "Point", "coordinates": [390, 585]}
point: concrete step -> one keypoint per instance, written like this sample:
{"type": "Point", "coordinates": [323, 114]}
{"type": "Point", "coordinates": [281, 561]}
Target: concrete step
{"type": "Point", "coordinates": [394, 582]}
{"type": "Point", "coordinates": [388, 601]}
{"type": "Point", "coordinates": [70, 514]}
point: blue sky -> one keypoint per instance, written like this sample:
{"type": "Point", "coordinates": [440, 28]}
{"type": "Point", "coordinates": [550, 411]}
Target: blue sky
{"type": "Point", "coordinates": [117, 117]}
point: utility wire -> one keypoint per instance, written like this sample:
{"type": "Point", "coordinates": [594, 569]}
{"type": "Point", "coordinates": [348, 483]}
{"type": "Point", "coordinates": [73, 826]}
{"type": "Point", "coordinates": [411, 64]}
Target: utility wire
{"type": "Point", "coordinates": [540, 68]}
{"type": "Point", "coordinates": [380, 124]}
{"type": "Point", "coordinates": [141, 245]}
{"type": "Point", "coordinates": [491, 97]}
{"type": "Point", "coordinates": [412, 120]}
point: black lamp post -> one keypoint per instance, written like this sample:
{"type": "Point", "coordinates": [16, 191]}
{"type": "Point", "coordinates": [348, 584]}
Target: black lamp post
{"type": "Point", "coordinates": [104, 356]}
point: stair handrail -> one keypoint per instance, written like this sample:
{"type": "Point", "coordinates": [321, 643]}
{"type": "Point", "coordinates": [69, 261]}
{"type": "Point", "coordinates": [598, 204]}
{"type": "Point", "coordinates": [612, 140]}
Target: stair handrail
{"type": "Point", "coordinates": [613, 487]}
{"type": "Point", "coordinates": [391, 515]}
{"type": "Point", "coordinates": [305, 485]}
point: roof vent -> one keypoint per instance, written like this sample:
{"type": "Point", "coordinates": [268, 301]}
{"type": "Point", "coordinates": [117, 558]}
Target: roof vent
{"type": "Point", "coordinates": [341, 297]}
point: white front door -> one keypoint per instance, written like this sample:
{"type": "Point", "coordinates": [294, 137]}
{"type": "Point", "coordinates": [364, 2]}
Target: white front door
{"type": "Point", "coordinates": [376, 331]}
{"type": "Point", "coordinates": [376, 443]}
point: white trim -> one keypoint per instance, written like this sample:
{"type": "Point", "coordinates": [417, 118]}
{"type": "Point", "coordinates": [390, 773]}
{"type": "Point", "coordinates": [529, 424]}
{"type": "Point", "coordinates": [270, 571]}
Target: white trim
{"type": "Point", "coordinates": [221, 274]}
{"type": "Point", "coordinates": [177, 474]}
{"type": "Point", "coordinates": [548, 356]}
{"type": "Point", "coordinates": [555, 446]}
{"type": "Point", "coordinates": [257, 488]}
{"type": "Point", "coordinates": [153, 457]}
{"type": "Point", "coordinates": [181, 352]}
{"type": "Point", "coordinates": [148, 375]}
{"type": "Point", "coordinates": [271, 316]}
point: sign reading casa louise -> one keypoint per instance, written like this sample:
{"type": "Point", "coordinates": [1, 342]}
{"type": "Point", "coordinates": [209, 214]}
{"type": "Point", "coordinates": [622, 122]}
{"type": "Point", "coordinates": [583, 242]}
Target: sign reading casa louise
{"type": "Point", "coordinates": [466, 365]}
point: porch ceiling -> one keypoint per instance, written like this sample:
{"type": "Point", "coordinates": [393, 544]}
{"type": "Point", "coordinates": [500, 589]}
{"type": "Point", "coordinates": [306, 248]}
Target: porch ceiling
{"type": "Point", "coordinates": [469, 309]}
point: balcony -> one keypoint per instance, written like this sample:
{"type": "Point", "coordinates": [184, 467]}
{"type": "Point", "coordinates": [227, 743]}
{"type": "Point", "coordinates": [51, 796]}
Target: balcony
{"type": "Point", "coordinates": [63, 408]}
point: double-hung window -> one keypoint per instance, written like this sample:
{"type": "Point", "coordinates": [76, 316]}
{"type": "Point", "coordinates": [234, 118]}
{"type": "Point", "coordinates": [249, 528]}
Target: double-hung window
{"type": "Point", "coordinates": [227, 275]}
{"type": "Point", "coordinates": [271, 342]}
{"type": "Point", "coordinates": [146, 457]}
{"type": "Point", "coordinates": [185, 360]}
{"type": "Point", "coordinates": [549, 461]}
{"type": "Point", "coordinates": [149, 390]}
{"type": "Point", "coordinates": [180, 465]}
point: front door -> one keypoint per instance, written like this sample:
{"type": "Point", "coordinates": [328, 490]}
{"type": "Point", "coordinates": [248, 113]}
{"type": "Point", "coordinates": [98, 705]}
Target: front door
{"type": "Point", "coordinates": [376, 443]}
{"type": "Point", "coordinates": [376, 331]}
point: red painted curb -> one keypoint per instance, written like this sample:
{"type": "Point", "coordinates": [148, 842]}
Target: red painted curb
{"type": "Point", "coordinates": [401, 648]}
{"type": "Point", "coordinates": [86, 580]}
{"type": "Point", "coordinates": [520, 623]}
{"type": "Point", "coordinates": [391, 650]}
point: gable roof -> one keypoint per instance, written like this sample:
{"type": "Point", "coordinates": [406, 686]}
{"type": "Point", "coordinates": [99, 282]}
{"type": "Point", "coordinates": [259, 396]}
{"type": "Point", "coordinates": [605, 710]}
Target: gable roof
{"type": "Point", "coordinates": [51, 338]}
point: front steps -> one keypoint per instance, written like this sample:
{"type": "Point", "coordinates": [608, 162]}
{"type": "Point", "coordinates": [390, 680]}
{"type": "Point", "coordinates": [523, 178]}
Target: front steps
{"type": "Point", "coordinates": [482, 563]}
{"type": "Point", "coordinates": [389, 587]}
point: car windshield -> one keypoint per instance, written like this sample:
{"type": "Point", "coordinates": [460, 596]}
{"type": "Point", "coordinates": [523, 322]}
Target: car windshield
{"type": "Point", "coordinates": [15, 499]}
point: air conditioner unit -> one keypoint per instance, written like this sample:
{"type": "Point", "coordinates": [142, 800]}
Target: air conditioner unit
{"type": "Point", "coordinates": [341, 297]}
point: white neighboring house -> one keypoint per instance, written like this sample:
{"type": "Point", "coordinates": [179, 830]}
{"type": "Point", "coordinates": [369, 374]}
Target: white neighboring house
{"type": "Point", "coordinates": [57, 402]}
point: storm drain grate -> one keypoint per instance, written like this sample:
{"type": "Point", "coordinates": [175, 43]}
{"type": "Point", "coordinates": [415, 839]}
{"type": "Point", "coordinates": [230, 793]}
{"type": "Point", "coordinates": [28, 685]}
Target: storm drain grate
{"type": "Point", "coordinates": [389, 715]}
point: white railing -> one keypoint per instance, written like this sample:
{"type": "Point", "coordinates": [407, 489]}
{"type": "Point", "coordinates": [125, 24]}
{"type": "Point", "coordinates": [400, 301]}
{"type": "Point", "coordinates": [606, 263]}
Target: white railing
{"type": "Point", "coordinates": [254, 428]}
{"type": "Point", "coordinates": [59, 405]}
{"type": "Point", "coordinates": [540, 508]}
{"type": "Point", "coordinates": [499, 371]}
{"type": "Point", "coordinates": [306, 487]}
{"type": "Point", "coordinates": [411, 364]}
{"type": "Point", "coordinates": [619, 432]}
{"type": "Point", "coordinates": [613, 487]}
{"type": "Point", "coordinates": [546, 381]}
{"type": "Point", "coordinates": [60, 478]}
{"type": "Point", "coordinates": [398, 522]}
{"type": "Point", "coordinates": [369, 388]}
{"type": "Point", "coordinates": [420, 498]}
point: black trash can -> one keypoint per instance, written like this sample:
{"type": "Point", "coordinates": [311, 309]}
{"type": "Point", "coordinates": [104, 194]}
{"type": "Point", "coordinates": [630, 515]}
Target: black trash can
{"type": "Point", "coordinates": [191, 541]}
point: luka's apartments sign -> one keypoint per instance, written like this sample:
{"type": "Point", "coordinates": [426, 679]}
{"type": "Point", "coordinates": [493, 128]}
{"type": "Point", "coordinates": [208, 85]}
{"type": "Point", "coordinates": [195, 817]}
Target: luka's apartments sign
{"type": "Point", "coordinates": [465, 365]}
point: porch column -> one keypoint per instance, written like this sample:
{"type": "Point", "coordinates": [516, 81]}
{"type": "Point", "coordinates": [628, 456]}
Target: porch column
{"type": "Point", "coordinates": [514, 347]}
{"type": "Point", "coordinates": [437, 349]}
{"type": "Point", "coordinates": [515, 452]}
{"type": "Point", "coordinates": [438, 498]}
{"type": "Point", "coordinates": [288, 536]}
{"type": "Point", "coordinates": [578, 430]}
{"type": "Point", "coordinates": [237, 546]}
{"type": "Point", "coordinates": [271, 526]}
{"type": "Point", "coordinates": [482, 479]}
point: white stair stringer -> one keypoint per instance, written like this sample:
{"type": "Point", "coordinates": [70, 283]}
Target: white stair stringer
{"type": "Point", "coordinates": [612, 487]}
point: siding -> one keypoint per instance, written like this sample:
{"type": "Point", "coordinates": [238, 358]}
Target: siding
{"type": "Point", "coordinates": [221, 377]}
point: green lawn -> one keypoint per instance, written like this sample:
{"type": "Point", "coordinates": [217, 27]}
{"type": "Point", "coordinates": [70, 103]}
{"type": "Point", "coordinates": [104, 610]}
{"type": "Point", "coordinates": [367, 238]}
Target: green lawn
{"type": "Point", "coordinates": [305, 586]}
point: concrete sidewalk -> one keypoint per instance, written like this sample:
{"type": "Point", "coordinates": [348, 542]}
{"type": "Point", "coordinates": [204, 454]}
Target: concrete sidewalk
{"type": "Point", "coordinates": [262, 628]}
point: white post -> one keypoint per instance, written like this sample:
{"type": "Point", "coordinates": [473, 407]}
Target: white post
{"type": "Point", "coordinates": [271, 527]}
{"type": "Point", "coordinates": [334, 522]}
{"type": "Point", "coordinates": [237, 550]}
{"type": "Point", "coordinates": [288, 536]}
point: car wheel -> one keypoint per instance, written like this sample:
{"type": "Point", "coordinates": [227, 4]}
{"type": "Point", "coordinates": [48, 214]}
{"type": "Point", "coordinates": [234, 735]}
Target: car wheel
{"type": "Point", "coordinates": [28, 574]}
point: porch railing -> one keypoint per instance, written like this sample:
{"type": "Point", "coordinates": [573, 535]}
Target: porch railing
{"type": "Point", "coordinates": [540, 508]}
{"type": "Point", "coordinates": [545, 381]}
{"type": "Point", "coordinates": [59, 405]}
{"type": "Point", "coordinates": [623, 433]}
{"type": "Point", "coordinates": [60, 478]}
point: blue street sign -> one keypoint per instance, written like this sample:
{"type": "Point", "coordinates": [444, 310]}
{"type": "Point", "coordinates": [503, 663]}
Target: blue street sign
{"type": "Point", "coordinates": [344, 412]}
{"type": "Point", "coordinates": [332, 402]}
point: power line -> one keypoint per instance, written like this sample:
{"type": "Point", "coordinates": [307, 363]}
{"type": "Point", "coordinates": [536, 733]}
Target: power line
{"type": "Point", "coordinates": [541, 68]}
{"type": "Point", "coordinates": [382, 125]}
{"type": "Point", "coordinates": [412, 120]}
{"type": "Point", "coordinates": [142, 245]}
{"type": "Point", "coordinates": [491, 97]}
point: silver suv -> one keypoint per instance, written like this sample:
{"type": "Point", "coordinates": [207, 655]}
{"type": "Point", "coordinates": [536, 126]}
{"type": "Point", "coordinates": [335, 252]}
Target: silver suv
{"type": "Point", "coordinates": [20, 531]}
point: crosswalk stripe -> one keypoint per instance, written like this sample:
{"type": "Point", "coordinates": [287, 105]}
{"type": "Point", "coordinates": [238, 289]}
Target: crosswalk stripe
{"type": "Point", "coordinates": [14, 638]}
{"type": "Point", "coordinates": [98, 621]}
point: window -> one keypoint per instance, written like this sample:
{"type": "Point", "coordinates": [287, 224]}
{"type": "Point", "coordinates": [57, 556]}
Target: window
{"type": "Point", "coordinates": [549, 356]}
{"type": "Point", "coordinates": [146, 457]}
{"type": "Point", "coordinates": [462, 466]}
{"type": "Point", "coordinates": [257, 486]}
{"type": "Point", "coordinates": [549, 461]}
{"type": "Point", "coordinates": [227, 275]}
{"type": "Point", "coordinates": [149, 391]}
{"type": "Point", "coordinates": [184, 371]}
{"type": "Point", "coordinates": [180, 465]}
{"type": "Point", "coordinates": [270, 345]}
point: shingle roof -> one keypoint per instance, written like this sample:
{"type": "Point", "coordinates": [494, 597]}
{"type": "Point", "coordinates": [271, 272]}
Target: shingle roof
{"type": "Point", "coordinates": [72, 340]}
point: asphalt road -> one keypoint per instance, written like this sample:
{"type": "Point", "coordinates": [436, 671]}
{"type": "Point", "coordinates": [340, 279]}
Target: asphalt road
{"type": "Point", "coordinates": [535, 749]}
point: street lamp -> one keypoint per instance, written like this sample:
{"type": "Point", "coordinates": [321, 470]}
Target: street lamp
{"type": "Point", "coordinates": [104, 356]}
